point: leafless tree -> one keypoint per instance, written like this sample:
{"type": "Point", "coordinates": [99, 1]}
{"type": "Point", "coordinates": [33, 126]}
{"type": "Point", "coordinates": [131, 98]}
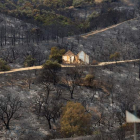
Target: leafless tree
{"type": "Point", "coordinates": [72, 78]}
{"type": "Point", "coordinates": [29, 79]}
{"type": "Point", "coordinates": [9, 109]}
{"type": "Point", "coordinates": [49, 109]}
{"type": "Point", "coordinates": [48, 88]}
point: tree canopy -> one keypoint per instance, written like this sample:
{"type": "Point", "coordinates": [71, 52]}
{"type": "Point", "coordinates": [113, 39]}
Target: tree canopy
{"type": "Point", "coordinates": [29, 61]}
{"type": "Point", "coordinates": [56, 54]}
{"type": "Point", "coordinates": [75, 121]}
{"type": "Point", "coordinates": [53, 66]}
{"type": "Point", "coordinates": [50, 71]}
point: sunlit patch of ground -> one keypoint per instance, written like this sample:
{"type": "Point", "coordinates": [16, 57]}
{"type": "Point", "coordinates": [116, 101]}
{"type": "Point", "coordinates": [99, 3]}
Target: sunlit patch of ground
{"type": "Point", "coordinates": [98, 1]}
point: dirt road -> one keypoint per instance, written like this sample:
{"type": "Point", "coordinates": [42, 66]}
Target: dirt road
{"type": "Point", "coordinates": [22, 69]}
{"type": "Point", "coordinates": [105, 29]}
{"type": "Point", "coordinates": [64, 66]}
{"type": "Point", "coordinates": [114, 62]}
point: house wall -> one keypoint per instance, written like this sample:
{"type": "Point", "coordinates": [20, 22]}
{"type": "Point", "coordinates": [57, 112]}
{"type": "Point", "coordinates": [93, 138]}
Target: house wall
{"type": "Point", "coordinates": [84, 57]}
{"type": "Point", "coordinates": [87, 59]}
{"type": "Point", "coordinates": [68, 59]}
{"type": "Point", "coordinates": [72, 59]}
{"type": "Point", "coordinates": [65, 58]}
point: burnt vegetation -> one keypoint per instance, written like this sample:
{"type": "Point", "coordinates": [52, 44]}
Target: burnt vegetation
{"type": "Point", "coordinates": [102, 91]}
{"type": "Point", "coordinates": [31, 28]}
{"type": "Point", "coordinates": [35, 104]}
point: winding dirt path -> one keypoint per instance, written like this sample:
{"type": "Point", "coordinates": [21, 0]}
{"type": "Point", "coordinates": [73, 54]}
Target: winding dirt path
{"type": "Point", "coordinates": [64, 66]}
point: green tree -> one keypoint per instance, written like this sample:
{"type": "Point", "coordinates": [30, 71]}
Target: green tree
{"type": "Point", "coordinates": [77, 2]}
{"type": "Point", "coordinates": [29, 61]}
{"type": "Point", "coordinates": [50, 71]}
{"type": "Point", "coordinates": [56, 54]}
{"type": "Point", "coordinates": [75, 121]}
{"type": "Point", "coordinates": [4, 66]}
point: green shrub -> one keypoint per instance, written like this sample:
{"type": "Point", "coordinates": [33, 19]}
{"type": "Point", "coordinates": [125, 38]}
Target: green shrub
{"type": "Point", "coordinates": [115, 56]}
{"type": "Point", "coordinates": [93, 15]}
{"type": "Point", "coordinates": [29, 61]}
{"type": "Point", "coordinates": [56, 54]}
{"type": "Point", "coordinates": [51, 65]}
{"type": "Point", "coordinates": [77, 2]}
{"type": "Point", "coordinates": [50, 71]}
{"type": "Point", "coordinates": [4, 66]}
{"type": "Point", "coordinates": [89, 78]}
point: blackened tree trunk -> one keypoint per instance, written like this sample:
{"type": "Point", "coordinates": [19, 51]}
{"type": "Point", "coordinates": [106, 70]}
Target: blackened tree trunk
{"type": "Point", "coordinates": [7, 125]}
{"type": "Point", "coordinates": [5, 34]}
{"type": "Point", "coordinates": [72, 95]}
{"type": "Point", "coordinates": [49, 122]}
{"type": "Point", "coordinates": [139, 70]}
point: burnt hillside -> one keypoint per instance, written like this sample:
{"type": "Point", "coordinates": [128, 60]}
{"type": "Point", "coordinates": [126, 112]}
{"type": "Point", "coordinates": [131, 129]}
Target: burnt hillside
{"type": "Point", "coordinates": [124, 38]}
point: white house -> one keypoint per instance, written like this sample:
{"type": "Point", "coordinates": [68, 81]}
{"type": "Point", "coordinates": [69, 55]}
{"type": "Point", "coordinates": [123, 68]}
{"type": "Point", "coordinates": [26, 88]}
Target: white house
{"type": "Point", "coordinates": [83, 57]}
